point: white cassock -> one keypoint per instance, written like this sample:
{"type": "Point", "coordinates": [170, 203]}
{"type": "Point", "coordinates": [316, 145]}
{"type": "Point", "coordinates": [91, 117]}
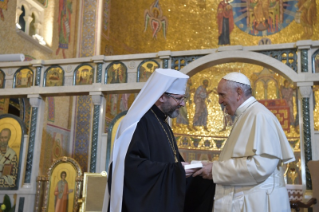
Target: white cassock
{"type": "Point", "coordinates": [249, 175]}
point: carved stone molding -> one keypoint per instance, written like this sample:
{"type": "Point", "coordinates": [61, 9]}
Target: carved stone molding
{"type": "Point", "coordinates": [34, 100]}
{"type": "Point", "coordinates": [96, 97]}
{"type": "Point", "coordinates": [305, 91]}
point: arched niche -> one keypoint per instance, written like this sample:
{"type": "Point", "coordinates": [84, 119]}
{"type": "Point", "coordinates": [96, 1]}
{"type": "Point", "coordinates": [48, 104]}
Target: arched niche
{"type": "Point", "coordinates": [21, 18]}
{"type": "Point", "coordinates": [315, 62]}
{"type": "Point", "coordinates": [2, 79]}
{"type": "Point", "coordinates": [145, 69]}
{"type": "Point", "coordinates": [83, 75]}
{"type": "Point", "coordinates": [53, 76]}
{"type": "Point", "coordinates": [116, 72]}
{"type": "Point", "coordinates": [240, 56]}
{"type": "Point", "coordinates": [23, 78]}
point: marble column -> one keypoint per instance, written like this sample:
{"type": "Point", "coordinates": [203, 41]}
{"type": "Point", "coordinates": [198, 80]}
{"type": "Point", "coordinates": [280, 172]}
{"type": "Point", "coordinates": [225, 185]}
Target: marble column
{"type": "Point", "coordinates": [165, 57]}
{"type": "Point", "coordinates": [307, 129]}
{"type": "Point", "coordinates": [96, 163]}
{"type": "Point", "coordinates": [33, 153]}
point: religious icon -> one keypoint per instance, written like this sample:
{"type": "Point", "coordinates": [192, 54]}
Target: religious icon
{"type": "Point", "coordinates": [62, 185]}
{"type": "Point", "coordinates": [308, 16]}
{"type": "Point", "coordinates": [225, 21]}
{"type": "Point", "coordinates": [84, 75]}
{"type": "Point", "coordinates": [64, 25]}
{"type": "Point", "coordinates": [8, 159]}
{"type": "Point", "coordinates": [316, 62]}
{"type": "Point", "coordinates": [287, 92]}
{"type": "Point", "coordinates": [201, 113]}
{"type": "Point", "coordinates": [1, 79]}
{"type": "Point", "coordinates": [145, 70]}
{"type": "Point", "coordinates": [11, 138]}
{"type": "Point", "coordinates": [182, 117]}
{"type": "Point", "coordinates": [116, 72]}
{"type": "Point", "coordinates": [61, 193]}
{"type": "Point", "coordinates": [3, 6]}
{"type": "Point", "coordinates": [263, 17]}
{"type": "Point", "coordinates": [54, 76]}
{"type": "Point", "coordinates": [154, 17]}
{"type": "Point", "coordinates": [23, 78]}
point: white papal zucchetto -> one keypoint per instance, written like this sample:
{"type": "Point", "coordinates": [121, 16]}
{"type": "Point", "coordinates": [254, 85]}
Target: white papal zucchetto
{"type": "Point", "coordinates": [237, 77]}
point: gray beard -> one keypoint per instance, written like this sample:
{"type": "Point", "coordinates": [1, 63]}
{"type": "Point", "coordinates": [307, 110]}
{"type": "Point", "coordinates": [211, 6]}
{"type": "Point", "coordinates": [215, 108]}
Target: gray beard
{"type": "Point", "coordinates": [173, 114]}
{"type": "Point", "coordinates": [170, 111]}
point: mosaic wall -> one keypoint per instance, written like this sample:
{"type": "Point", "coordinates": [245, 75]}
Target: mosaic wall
{"type": "Point", "coordinates": [157, 25]}
{"type": "Point", "coordinates": [58, 30]}
{"type": "Point", "coordinates": [82, 124]}
{"type": "Point", "coordinates": [56, 131]}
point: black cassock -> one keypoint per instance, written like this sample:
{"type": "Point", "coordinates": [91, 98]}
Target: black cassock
{"type": "Point", "coordinates": [153, 182]}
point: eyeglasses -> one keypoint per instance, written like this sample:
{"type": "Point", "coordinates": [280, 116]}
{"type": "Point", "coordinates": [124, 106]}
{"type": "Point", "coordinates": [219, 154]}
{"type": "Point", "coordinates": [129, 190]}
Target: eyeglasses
{"type": "Point", "coordinates": [179, 99]}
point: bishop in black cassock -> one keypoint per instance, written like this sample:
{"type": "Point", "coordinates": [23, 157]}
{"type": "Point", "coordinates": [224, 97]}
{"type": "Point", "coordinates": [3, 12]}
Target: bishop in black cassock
{"type": "Point", "coordinates": [154, 179]}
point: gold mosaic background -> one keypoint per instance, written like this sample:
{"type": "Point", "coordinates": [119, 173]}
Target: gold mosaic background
{"type": "Point", "coordinates": [12, 43]}
{"type": "Point", "coordinates": [191, 24]}
{"type": "Point", "coordinates": [215, 114]}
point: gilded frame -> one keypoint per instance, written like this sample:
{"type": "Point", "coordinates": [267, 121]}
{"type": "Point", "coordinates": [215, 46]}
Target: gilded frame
{"type": "Point", "coordinates": [110, 67]}
{"type": "Point", "coordinates": [18, 78]}
{"type": "Point", "coordinates": [140, 66]}
{"type": "Point", "coordinates": [314, 55]}
{"type": "Point", "coordinates": [78, 82]}
{"type": "Point", "coordinates": [111, 135]}
{"type": "Point", "coordinates": [77, 186]}
{"type": "Point", "coordinates": [60, 81]}
{"type": "Point", "coordinates": [3, 79]}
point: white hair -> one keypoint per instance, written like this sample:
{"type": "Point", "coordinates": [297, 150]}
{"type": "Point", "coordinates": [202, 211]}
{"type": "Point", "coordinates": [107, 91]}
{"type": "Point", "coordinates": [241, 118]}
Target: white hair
{"type": "Point", "coordinates": [245, 88]}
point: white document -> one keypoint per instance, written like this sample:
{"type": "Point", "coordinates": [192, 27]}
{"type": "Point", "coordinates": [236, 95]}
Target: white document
{"type": "Point", "coordinates": [195, 164]}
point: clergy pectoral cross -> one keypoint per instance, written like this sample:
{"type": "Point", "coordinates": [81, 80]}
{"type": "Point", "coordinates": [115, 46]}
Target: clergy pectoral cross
{"type": "Point", "coordinates": [6, 158]}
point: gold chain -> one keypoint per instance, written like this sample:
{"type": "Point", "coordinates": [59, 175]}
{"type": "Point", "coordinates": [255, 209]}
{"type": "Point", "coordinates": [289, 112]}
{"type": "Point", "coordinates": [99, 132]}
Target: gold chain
{"type": "Point", "coordinates": [169, 141]}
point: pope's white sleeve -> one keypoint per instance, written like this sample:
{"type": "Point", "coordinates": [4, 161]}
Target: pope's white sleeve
{"type": "Point", "coordinates": [244, 171]}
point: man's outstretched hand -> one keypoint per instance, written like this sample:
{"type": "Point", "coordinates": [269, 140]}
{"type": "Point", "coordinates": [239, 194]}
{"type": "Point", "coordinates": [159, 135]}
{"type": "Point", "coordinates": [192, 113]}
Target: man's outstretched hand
{"type": "Point", "coordinates": [188, 172]}
{"type": "Point", "coordinates": [206, 171]}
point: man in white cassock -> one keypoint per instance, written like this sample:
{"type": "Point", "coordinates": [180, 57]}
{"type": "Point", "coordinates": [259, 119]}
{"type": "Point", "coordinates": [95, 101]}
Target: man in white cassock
{"type": "Point", "coordinates": [146, 171]}
{"type": "Point", "coordinates": [249, 173]}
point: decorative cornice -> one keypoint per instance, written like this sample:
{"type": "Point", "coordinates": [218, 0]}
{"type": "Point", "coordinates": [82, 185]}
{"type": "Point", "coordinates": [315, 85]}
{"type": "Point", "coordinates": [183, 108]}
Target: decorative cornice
{"type": "Point", "coordinates": [34, 100]}
{"type": "Point", "coordinates": [305, 91]}
{"type": "Point", "coordinates": [96, 97]}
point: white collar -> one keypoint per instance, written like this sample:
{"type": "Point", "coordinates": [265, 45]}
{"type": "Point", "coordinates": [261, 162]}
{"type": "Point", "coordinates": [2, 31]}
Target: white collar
{"type": "Point", "coordinates": [242, 108]}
